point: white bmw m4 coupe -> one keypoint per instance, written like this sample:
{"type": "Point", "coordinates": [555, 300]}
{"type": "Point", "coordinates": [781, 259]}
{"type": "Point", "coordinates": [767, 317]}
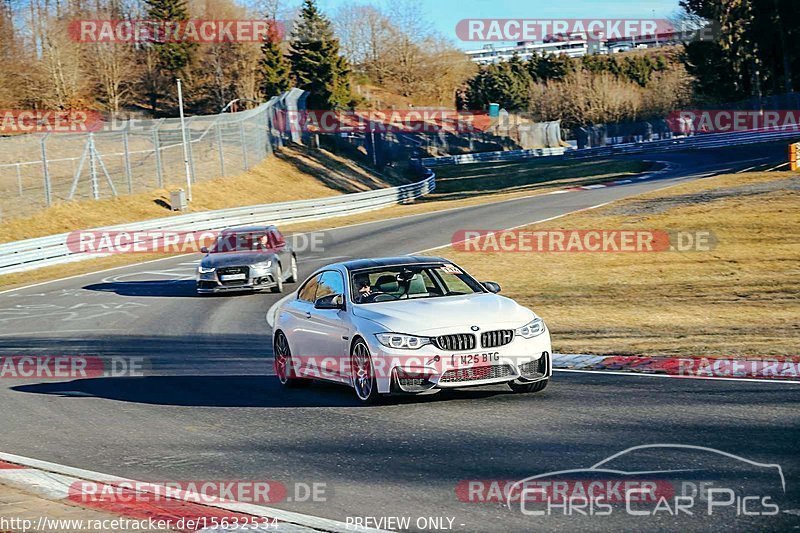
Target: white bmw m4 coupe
{"type": "Point", "coordinates": [407, 325]}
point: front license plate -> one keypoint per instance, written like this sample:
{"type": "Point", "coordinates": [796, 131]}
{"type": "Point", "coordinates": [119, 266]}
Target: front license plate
{"type": "Point", "coordinates": [473, 359]}
{"type": "Point", "coordinates": [232, 277]}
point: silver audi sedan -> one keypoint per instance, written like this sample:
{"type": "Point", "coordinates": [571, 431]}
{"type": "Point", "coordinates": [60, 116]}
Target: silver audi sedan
{"type": "Point", "coordinates": [248, 258]}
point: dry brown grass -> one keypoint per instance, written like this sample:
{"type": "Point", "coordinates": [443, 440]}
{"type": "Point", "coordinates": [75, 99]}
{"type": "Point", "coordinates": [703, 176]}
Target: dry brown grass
{"type": "Point", "coordinates": [457, 194]}
{"type": "Point", "coordinates": [739, 299]}
{"type": "Point", "coordinates": [296, 174]}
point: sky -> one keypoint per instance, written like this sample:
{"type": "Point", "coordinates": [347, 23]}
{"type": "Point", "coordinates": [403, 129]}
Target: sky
{"type": "Point", "coordinates": [445, 14]}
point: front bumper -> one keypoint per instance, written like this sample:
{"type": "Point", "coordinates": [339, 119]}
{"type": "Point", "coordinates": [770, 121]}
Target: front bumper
{"type": "Point", "coordinates": [210, 283]}
{"type": "Point", "coordinates": [429, 369]}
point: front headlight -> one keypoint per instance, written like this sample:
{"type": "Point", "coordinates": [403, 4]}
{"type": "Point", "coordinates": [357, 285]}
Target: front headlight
{"type": "Point", "coordinates": [203, 270]}
{"type": "Point", "coordinates": [262, 267]}
{"type": "Point", "coordinates": [532, 329]}
{"type": "Point", "coordinates": [401, 341]}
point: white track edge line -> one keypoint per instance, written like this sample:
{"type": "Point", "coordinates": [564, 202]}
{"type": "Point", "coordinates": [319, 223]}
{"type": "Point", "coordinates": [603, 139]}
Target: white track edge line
{"type": "Point", "coordinates": [247, 508]}
{"type": "Point", "coordinates": [702, 378]}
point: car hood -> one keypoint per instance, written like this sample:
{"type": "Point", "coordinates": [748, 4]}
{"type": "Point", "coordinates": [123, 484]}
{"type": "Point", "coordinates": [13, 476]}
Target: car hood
{"type": "Point", "coordinates": [440, 315]}
{"type": "Point", "coordinates": [235, 259]}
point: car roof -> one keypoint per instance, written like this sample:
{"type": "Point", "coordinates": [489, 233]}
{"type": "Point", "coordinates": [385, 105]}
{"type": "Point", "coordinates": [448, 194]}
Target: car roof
{"type": "Point", "coordinates": [360, 264]}
{"type": "Point", "coordinates": [248, 229]}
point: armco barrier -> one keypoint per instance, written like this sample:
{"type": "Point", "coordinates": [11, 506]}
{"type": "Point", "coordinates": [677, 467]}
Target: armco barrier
{"type": "Point", "coordinates": [30, 254]}
{"type": "Point", "coordinates": [485, 157]}
{"type": "Point", "coordinates": [701, 141]}
{"type": "Point", "coordinates": [697, 142]}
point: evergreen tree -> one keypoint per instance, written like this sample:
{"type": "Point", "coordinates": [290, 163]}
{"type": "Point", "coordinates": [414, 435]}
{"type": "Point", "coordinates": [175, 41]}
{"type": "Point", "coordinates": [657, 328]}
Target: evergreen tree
{"type": "Point", "coordinates": [753, 53]}
{"type": "Point", "coordinates": [507, 83]}
{"type": "Point", "coordinates": [275, 68]}
{"type": "Point", "coordinates": [316, 63]}
{"type": "Point", "coordinates": [169, 60]}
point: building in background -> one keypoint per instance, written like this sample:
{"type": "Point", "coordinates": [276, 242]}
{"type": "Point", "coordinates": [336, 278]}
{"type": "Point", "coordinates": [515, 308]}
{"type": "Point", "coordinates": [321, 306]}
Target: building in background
{"type": "Point", "coordinates": [575, 45]}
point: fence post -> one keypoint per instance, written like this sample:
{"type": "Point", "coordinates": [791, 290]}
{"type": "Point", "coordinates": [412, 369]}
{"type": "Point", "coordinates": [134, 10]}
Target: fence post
{"type": "Point", "coordinates": [244, 147]}
{"type": "Point", "coordinates": [19, 178]}
{"type": "Point", "coordinates": [48, 193]}
{"type": "Point", "coordinates": [93, 168]}
{"type": "Point", "coordinates": [220, 152]}
{"type": "Point", "coordinates": [157, 152]}
{"type": "Point", "coordinates": [191, 157]}
{"type": "Point", "coordinates": [128, 173]}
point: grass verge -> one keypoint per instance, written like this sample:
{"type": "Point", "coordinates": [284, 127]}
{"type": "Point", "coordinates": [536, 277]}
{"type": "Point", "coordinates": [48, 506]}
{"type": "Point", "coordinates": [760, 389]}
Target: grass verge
{"type": "Point", "coordinates": [738, 299]}
{"type": "Point", "coordinates": [295, 174]}
{"type": "Point", "coordinates": [543, 177]}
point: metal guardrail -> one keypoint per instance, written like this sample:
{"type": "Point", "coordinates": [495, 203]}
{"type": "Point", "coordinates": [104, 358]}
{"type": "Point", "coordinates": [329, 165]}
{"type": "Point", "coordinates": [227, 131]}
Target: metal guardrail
{"type": "Point", "coordinates": [696, 142]}
{"type": "Point", "coordinates": [485, 157]}
{"type": "Point", "coordinates": [30, 254]}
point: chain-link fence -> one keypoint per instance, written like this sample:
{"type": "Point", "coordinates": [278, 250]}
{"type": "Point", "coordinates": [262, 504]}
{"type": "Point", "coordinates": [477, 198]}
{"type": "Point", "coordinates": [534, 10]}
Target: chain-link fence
{"type": "Point", "coordinates": [663, 128]}
{"type": "Point", "coordinates": [37, 170]}
{"type": "Point", "coordinates": [381, 149]}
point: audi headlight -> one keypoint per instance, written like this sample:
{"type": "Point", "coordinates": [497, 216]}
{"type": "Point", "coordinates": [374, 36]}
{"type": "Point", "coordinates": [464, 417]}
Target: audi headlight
{"type": "Point", "coordinates": [531, 329]}
{"type": "Point", "coordinates": [262, 267]}
{"type": "Point", "coordinates": [401, 341]}
{"type": "Point", "coordinates": [204, 270]}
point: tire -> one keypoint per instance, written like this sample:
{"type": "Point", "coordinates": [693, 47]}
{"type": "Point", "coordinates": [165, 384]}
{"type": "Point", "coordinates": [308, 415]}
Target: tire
{"type": "Point", "coordinates": [527, 388]}
{"type": "Point", "coordinates": [283, 364]}
{"type": "Point", "coordinates": [278, 287]}
{"type": "Point", "coordinates": [364, 382]}
{"type": "Point", "coordinates": [293, 271]}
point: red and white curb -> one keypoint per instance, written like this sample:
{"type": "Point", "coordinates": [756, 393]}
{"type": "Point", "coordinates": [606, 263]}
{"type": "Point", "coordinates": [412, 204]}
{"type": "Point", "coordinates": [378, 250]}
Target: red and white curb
{"type": "Point", "coordinates": [58, 482]}
{"type": "Point", "coordinates": [773, 369]}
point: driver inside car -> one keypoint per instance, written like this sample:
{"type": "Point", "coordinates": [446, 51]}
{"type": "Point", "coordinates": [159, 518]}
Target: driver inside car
{"type": "Point", "coordinates": [364, 288]}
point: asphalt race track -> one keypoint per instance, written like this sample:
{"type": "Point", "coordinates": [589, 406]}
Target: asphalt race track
{"type": "Point", "coordinates": [208, 409]}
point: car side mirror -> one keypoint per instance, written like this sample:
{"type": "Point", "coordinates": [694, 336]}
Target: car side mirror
{"type": "Point", "coordinates": [204, 250]}
{"type": "Point", "coordinates": [491, 286]}
{"type": "Point", "coordinates": [332, 301]}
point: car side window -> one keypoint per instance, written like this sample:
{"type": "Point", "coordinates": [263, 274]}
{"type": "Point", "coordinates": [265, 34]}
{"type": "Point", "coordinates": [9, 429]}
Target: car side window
{"type": "Point", "coordinates": [277, 238]}
{"type": "Point", "coordinates": [309, 290]}
{"type": "Point", "coordinates": [331, 282]}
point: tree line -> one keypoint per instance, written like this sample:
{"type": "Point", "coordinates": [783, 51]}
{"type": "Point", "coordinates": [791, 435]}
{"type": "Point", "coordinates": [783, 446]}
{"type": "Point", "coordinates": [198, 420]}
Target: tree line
{"type": "Point", "coordinates": [45, 67]}
{"type": "Point", "coordinates": [755, 53]}
{"type": "Point", "coordinates": [583, 91]}
{"type": "Point", "coordinates": [361, 45]}
{"type": "Point", "coordinates": [391, 47]}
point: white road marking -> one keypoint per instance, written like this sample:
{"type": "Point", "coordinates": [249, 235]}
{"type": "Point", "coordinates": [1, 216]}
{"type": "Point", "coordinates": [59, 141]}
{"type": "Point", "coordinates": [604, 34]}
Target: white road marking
{"type": "Point", "coordinates": [511, 229]}
{"type": "Point", "coordinates": [645, 375]}
{"type": "Point", "coordinates": [57, 332]}
{"type": "Point", "coordinates": [39, 284]}
{"type": "Point", "coordinates": [779, 166]}
{"type": "Point", "coordinates": [331, 228]}
{"type": "Point", "coordinates": [54, 480]}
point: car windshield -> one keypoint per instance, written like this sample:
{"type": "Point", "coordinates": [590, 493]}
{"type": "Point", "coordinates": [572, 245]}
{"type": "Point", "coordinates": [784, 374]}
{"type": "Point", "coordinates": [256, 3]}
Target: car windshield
{"type": "Point", "coordinates": [241, 242]}
{"type": "Point", "coordinates": [402, 282]}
